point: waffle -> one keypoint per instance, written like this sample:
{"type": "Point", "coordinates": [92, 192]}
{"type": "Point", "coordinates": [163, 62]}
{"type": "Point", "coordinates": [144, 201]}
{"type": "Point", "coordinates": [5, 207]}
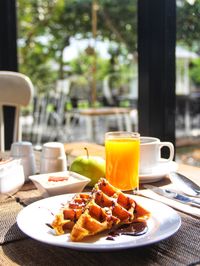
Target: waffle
{"type": "Point", "coordinates": [105, 208]}
{"type": "Point", "coordinates": [70, 213]}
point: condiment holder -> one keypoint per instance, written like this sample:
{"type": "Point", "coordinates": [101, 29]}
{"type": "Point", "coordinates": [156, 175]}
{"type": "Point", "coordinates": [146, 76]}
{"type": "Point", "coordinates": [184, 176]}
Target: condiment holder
{"type": "Point", "coordinates": [24, 150]}
{"type": "Point", "coordinates": [53, 158]}
{"type": "Point", "coordinates": [11, 176]}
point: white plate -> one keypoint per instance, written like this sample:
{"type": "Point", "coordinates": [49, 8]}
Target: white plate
{"type": "Point", "coordinates": [32, 220]}
{"type": "Point", "coordinates": [159, 172]}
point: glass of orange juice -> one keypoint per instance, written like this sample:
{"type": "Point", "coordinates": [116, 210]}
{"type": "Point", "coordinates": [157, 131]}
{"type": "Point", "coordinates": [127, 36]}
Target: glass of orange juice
{"type": "Point", "coordinates": [122, 159]}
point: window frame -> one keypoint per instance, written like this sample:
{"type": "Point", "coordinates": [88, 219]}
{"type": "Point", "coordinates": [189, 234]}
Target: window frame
{"type": "Point", "coordinates": [157, 68]}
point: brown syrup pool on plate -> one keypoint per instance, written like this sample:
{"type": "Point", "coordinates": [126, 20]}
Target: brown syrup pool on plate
{"type": "Point", "coordinates": [133, 229]}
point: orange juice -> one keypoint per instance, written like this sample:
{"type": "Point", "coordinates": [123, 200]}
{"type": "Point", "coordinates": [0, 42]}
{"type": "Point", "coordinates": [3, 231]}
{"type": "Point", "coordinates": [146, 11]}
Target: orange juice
{"type": "Point", "coordinates": [122, 159]}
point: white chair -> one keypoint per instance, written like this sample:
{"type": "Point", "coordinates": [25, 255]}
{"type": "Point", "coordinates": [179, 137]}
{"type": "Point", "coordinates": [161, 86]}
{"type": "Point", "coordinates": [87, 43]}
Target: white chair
{"type": "Point", "coordinates": [16, 90]}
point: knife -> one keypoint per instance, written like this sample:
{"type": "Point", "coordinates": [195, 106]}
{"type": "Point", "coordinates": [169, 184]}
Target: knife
{"type": "Point", "coordinates": [174, 195]}
{"type": "Point", "coordinates": [185, 184]}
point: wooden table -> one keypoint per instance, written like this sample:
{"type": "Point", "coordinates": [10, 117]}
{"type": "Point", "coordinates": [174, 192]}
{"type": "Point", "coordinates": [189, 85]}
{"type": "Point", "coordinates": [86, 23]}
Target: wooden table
{"type": "Point", "coordinates": [121, 116]}
{"type": "Point", "coordinates": [179, 249]}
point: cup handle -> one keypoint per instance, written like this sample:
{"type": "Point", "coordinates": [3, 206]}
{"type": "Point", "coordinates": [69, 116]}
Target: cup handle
{"type": "Point", "coordinates": [171, 150]}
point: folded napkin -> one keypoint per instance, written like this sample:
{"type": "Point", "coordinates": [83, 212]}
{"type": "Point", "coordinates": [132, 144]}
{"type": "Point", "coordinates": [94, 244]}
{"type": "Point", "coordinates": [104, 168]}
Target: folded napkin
{"type": "Point", "coordinates": [191, 210]}
{"type": "Point", "coordinates": [9, 231]}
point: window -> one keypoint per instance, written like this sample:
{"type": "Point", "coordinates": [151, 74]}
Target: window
{"type": "Point", "coordinates": [83, 51]}
{"type": "Point", "coordinates": [188, 81]}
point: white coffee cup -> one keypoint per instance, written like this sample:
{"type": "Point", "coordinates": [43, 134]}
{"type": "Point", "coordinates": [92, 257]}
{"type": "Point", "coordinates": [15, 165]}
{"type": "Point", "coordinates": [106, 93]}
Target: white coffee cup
{"type": "Point", "coordinates": [24, 150]}
{"type": "Point", "coordinates": [53, 158]}
{"type": "Point", "coordinates": [150, 154]}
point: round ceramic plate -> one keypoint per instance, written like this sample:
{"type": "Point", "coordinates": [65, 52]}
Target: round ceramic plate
{"type": "Point", "coordinates": [159, 172]}
{"type": "Point", "coordinates": [33, 220]}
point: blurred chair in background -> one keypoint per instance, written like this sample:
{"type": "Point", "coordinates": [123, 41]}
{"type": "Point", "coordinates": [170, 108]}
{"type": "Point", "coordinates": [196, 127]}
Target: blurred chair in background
{"type": "Point", "coordinates": [16, 90]}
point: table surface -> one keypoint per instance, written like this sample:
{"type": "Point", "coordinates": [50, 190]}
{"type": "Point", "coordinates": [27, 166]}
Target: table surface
{"type": "Point", "coordinates": [180, 249]}
{"type": "Point", "coordinates": [104, 111]}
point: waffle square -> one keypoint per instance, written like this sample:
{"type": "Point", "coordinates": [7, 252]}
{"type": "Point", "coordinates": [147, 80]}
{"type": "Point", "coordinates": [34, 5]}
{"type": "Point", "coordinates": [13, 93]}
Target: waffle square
{"type": "Point", "coordinates": [70, 213]}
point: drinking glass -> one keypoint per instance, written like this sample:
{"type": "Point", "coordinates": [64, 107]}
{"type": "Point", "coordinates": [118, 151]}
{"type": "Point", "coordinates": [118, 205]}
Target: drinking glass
{"type": "Point", "coordinates": [122, 159]}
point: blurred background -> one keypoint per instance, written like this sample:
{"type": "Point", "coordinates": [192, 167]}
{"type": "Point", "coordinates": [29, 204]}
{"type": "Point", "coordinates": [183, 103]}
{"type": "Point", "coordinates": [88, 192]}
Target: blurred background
{"type": "Point", "coordinates": [79, 54]}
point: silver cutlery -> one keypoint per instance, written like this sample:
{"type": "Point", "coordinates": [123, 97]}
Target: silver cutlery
{"type": "Point", "coordinates": [171, 194]}
{"type": "Point", "coordinates": [185, 184]}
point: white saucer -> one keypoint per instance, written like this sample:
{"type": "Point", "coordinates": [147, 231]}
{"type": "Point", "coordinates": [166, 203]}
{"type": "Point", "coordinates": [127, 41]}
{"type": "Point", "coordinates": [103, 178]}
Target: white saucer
{"type": "Point", "coordinates": [159, 172]}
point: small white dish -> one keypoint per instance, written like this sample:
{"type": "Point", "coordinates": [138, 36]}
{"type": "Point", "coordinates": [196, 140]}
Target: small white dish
{"type": "Point", "coordinates": [159, 172]}
{"type": "Point", "coordinates": [11, 177]}
{"type": "Point", "coordinates": [73, 183]}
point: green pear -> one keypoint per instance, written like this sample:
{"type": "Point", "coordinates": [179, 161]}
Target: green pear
{"type": "Point", "coordinates": [92, 167]}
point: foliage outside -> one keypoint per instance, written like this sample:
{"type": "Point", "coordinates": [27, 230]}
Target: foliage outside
{"type": "Point", "coordinates": [47, 26]}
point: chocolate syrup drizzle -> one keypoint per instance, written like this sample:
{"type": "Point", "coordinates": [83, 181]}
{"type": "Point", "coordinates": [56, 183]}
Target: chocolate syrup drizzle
{"type": "Point", "coordinates": [134, 229]}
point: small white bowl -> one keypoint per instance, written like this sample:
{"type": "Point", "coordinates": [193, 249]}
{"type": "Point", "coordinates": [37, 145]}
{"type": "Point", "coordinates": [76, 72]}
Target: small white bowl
{"type": "Point", "coordinates": [75, 183]}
